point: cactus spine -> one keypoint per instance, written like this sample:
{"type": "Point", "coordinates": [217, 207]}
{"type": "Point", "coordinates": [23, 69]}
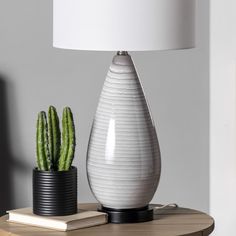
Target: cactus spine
{"type": "Point", "coordinates": [51, 155]}
{"type": "Point", "coordinates": [68, 140]}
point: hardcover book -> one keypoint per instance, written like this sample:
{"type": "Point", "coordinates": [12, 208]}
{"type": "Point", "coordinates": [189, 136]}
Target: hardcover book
{"type": "Point", "coordinates": [82, 219]}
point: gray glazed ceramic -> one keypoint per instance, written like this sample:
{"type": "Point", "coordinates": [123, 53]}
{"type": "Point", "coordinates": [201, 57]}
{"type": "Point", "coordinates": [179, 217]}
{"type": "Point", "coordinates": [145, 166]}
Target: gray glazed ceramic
{"type": "Point", "coordinates": [123, 158]}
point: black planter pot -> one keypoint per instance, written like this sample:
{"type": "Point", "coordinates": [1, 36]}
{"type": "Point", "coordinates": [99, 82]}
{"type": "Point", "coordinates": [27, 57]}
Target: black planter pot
{"type": "Point", "coordinates": [55, 192]}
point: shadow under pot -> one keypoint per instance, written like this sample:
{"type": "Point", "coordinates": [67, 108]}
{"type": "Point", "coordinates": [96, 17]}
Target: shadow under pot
{"type": "Point", "coordinates": [55, 192]}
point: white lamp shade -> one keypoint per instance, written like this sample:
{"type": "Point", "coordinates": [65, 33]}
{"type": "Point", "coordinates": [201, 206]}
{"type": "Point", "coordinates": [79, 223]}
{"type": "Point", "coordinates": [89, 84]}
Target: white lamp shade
{"type": "Point", "coordinates": [127, 25]}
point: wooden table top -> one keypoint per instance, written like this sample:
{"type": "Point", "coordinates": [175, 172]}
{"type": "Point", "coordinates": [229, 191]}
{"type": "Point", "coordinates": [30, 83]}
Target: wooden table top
{"type": "Point", "coordinates": [167, 222]}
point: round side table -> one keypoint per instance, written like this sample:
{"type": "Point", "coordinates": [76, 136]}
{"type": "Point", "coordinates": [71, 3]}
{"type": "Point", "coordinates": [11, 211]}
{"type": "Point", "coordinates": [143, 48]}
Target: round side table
{"type": "Point", "coordinates": [167, 222]}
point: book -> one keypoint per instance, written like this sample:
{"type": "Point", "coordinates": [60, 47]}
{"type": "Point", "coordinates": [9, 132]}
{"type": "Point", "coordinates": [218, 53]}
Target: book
{"type": "Point", "coordinates": [80, 220]}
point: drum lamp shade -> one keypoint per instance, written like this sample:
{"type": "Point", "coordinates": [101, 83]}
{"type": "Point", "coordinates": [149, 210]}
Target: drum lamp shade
{"type": "Point", "coordinates": [127, 25]}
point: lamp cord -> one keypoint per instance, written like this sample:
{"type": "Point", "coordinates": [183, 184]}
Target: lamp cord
{"type": "Point", "coordinates": [167, 206]}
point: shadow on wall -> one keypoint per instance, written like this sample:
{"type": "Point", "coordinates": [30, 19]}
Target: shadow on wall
{"type": "Point", "coordinates": [8, 163]}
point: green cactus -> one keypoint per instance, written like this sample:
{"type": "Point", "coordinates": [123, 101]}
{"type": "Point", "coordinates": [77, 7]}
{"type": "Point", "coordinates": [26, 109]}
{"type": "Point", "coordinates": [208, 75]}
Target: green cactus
{"type": "Point", "coordinates": [43, 158]}
{"type": "Point", "coordinates": [51, 155]}
{"type": "Point", "coordinates": [68, 140]}
{"type": "Point", "coordinates": [54, 136]}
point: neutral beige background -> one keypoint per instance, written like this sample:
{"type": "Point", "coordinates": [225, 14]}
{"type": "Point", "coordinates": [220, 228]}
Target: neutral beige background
{"type": "Point", "coordinates": [34, 75]}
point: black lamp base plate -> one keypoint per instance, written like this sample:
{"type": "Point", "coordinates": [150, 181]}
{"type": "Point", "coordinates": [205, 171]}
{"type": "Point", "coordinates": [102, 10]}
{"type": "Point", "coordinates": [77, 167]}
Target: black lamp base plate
{"type": "Point", "coordinates": [134, 215]}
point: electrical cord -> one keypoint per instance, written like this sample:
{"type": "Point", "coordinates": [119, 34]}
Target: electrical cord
{"type": "Point", "coordinates": [167, 206]}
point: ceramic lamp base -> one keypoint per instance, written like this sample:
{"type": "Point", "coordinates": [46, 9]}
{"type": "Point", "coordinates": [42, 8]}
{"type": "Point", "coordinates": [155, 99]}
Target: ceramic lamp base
{"type": "Point", "coordinates": [135, 215]}
{"type": "Point", "coordinates": [123, 157]}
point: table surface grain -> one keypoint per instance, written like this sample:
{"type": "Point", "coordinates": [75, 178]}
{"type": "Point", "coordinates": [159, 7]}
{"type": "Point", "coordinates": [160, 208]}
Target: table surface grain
{"type": "Point", "coordinates": [167, 222]}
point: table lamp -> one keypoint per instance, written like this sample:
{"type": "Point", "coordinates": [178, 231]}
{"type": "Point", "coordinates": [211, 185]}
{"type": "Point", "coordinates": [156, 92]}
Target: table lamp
{"type": "Point", "coordinates": [123, 156]}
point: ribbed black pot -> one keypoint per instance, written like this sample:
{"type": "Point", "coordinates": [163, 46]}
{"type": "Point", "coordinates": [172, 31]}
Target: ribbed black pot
{"type": "Point", "coordinates": [55, 192]}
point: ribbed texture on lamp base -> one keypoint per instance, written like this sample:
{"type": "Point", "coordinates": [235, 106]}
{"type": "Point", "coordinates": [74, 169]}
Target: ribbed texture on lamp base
{"type": "Point", "coordinates": [123, 159]}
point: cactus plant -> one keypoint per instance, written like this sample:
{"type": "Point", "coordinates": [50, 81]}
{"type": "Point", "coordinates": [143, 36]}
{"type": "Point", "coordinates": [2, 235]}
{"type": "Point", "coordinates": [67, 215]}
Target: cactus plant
{"type": "Point", "coordinates": [68, 140]}
{"type": "Point", "coordinates": [54, 139]}
{"type": "Point", "coordinates": [51, 155]}
{"type": "Point", "coordinates": [42, 142]}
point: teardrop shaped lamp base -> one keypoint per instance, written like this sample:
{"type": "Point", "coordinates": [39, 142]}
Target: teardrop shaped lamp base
{"type": "Point", "coordinates": [135, 215]}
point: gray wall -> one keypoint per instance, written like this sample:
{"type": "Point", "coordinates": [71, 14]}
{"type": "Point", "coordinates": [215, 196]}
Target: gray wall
{"type": "Point", "coordinates": [34, 75]}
